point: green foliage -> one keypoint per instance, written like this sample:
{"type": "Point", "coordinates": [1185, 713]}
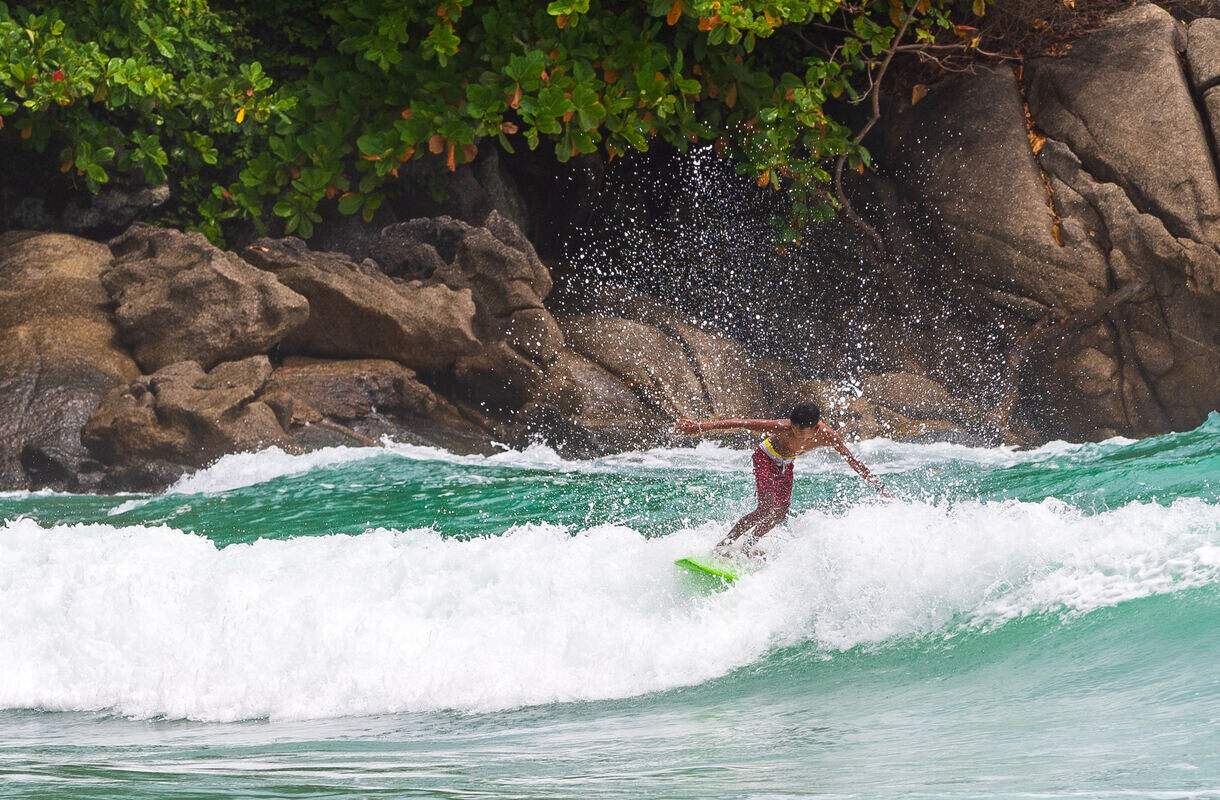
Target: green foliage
{"type": "Point", "coordinates": [177, 89]}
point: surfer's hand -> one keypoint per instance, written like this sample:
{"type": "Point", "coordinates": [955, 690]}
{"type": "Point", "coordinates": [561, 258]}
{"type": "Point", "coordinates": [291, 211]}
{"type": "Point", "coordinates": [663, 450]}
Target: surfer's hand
{"type": "Point", "coordinates": [687, 426]}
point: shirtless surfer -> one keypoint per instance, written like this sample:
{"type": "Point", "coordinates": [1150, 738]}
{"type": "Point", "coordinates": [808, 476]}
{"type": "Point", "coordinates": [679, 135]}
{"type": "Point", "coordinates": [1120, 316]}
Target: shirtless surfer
{"type": "Point", "coordinates": [785, 440]}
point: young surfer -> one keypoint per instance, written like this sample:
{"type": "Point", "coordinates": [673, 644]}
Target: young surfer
{"type": "Point", "coordinates": [785, 440]}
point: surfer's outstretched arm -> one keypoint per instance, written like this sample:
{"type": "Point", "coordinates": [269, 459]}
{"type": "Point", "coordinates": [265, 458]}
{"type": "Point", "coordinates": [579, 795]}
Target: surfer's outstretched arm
{"type": "Point", "coordinates": [837, 443]}
{"type": "Point", "coordinates": [697, 426]}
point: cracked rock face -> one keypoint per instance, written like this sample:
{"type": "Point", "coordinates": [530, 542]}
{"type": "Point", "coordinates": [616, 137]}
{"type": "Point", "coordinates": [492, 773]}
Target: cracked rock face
{"type": "Point", "coordinates": [1121, 192]}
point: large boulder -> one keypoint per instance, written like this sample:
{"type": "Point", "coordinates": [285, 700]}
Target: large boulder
{"type": "Point", "coordinates": [351, 389]}
{"type": "Point", "coordinates": [358, 312]}
{"type": "Point", "coordinates": [495, 262]}
{"type": "Point", "coordinates": [59, 355]}
{"type": "Point", "coordinates": [1153, 365]}
{"type": "Point", "coordinates": [179, 298]}
{"type": "Point", "coordinates": [649, 363]}
{"type": "Point", "coordinates": [1119, 100]}
{"type": "Point", "coordinates": [151, 431]}
{"type": "Point", "coordinates": [1048, 222]}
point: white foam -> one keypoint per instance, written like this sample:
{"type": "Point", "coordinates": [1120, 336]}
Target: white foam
{"type": "Point", "coordinates": [883, 456]}
{"type": "Point", "coordinates": [236, 470]}
{"type": "Point", "coordinates": [151, 621]}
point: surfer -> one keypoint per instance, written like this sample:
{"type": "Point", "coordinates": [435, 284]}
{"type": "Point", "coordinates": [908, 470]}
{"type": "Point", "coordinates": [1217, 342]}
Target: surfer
{"type": "Point", "coordinates": [785, 439]}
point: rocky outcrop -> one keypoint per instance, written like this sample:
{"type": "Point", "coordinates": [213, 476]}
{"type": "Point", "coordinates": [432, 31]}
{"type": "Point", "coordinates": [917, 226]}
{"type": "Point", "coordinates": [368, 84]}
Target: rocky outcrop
{"type": "Point", "coordinates": [358, 312]}
{"type": "Point", "coordinates": [179, 298]}
{"type": "Point", "coordinates": [181, 417]}
{"type": "Point", "coordinates": [1052, 275]}
{"type": "Point", "coordinates": [1113, 189]}
{"type": "Point", "coordinates": [59, 355]}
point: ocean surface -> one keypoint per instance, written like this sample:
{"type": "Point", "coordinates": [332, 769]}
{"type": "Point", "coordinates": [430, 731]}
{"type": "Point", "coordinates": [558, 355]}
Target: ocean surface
{"type": "Point", "coordinates": [405, 622]}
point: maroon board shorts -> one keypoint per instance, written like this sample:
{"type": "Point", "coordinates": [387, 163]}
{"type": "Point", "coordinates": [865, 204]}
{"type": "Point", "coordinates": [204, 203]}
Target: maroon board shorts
{"type": "Point", "coordinates": [772, 477]}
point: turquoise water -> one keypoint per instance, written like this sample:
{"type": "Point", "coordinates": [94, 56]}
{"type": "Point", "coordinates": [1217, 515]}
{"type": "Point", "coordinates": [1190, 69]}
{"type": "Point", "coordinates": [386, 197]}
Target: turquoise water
{"type": "Point", "coordinates": [411, 623]}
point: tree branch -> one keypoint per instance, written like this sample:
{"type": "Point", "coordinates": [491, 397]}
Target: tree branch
{"type": "Point", "coordinates": [874, 89]}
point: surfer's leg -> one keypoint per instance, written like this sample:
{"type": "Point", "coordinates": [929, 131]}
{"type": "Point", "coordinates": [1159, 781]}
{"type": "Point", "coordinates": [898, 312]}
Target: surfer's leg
{"type": "Point", "coordinates": [747, 523]}
{"type": "Point", "coordinates": [776, 515]}
{"type": "Point", "coordinates": [757, 522]}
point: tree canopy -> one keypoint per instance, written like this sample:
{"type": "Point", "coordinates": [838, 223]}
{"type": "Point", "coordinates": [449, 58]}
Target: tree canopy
{"type": "Point", "coordinates": [275, 109]}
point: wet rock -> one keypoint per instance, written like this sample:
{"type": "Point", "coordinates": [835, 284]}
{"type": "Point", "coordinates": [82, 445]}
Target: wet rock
{"type": "Point", "coordinates": [179, 298]}
{"type": "Point", "coordinates": [728, 374]}
{"type": "Point", "coordinates": [495, 262]}
{"type": "Point", "coordinates": [497, 378]}
{"type": "Point", "coordinates": [1119, 90]}
{"type": "Point", "coordinates": [151, 431]}
{"type": "Point", "coordinates": [1203, 53]}
{"type": "Point", "coordinates": [918, 397]}
{"type": "Point", "coordinates": [361, 314]}
{"type": "Point", "coordinates": [350, 389]}
{"type": "Point", "coordinates": [59, 355]}
{"type": "Point", "coordinates": [652, 365]}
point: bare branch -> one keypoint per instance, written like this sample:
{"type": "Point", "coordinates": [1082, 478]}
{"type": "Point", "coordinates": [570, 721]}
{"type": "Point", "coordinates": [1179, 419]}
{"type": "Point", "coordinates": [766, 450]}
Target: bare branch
{"type": "Point", "coordinates": [874, 90]}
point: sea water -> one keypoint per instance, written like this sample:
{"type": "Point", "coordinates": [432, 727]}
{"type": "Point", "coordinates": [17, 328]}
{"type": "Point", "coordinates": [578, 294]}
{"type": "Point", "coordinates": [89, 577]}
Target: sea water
{"type": "Point", "coordinates": [406, 622]}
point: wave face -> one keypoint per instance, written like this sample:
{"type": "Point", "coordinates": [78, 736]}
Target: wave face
{"type": "Point", "coordinates": [1002, 587]}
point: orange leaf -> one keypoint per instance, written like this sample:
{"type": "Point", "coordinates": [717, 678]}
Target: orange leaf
{"type": "Point", "coordinates": [241, 115]}
{"type": "Point", "coordinates": [675, 12]}
{"type": "Point", "coordinates": [567, 116]}
{"type": "Point", "coordinates": [918, 92]}
{"type": "Point", "coordinates": [436, 144]}
{"type": "Point", "coordinates": [730, 99]}
{"type": "Point", "coordinates": [406, 113]}
{"type": "Point", "coordinates": [610, 75]}
{"type": "Point", "coordinates": [562, 21]}
{"type": "Point", "coordinates": [508, 127]}
{"type": "Point", "coordinates": [469, 151]}
{"type": "Point", "coordinates": [451, 158]}
{"type": "Point", "coordinates": [515, 101]}
{"type": "Point", "coordinates": [27, 132]}
{"type": "Point", "coordinates": [546, 78]}
{"type": "Point", "coordinates": [860, 168]}
{"type": "Point", "coordinates": [765, 178]}
{"type": "Point", "coordinates": [394, 172]}
{"type": "Point", "coordinates": [371, 158]}
{"type": "Point", "coordinates": [923, 5]}
{"type": "Point", "coordinates": [409, 152]}
{"type": "Point", "coordinates": [331, 191]}
{"type": "Point", "coordinates": [67, 165]}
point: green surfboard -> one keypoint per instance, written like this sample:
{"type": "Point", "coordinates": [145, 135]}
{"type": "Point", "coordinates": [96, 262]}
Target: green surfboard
{"type": "Point", "coordinates": [711, 566]}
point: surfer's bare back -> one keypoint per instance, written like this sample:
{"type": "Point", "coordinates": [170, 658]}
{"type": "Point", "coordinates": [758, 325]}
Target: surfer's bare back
{"type": "Point", "coordinates": [785, 440]}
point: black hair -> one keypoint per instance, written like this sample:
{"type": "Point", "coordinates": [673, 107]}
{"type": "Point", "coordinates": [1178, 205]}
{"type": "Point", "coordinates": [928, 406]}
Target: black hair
{"type": "Point", "coordinates": [805, 414]}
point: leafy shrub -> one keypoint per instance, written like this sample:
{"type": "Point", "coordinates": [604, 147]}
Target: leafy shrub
{"type": "Point", "coordinates": [177, 90]}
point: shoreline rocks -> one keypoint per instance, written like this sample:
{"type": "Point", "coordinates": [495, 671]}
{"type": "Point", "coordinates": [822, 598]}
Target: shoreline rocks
{"type": "Point", "coordinates": [122, 366]}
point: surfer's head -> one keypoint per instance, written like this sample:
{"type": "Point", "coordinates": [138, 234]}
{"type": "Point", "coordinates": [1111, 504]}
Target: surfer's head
{"type": "Point", "coordinates": [805, 415]}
